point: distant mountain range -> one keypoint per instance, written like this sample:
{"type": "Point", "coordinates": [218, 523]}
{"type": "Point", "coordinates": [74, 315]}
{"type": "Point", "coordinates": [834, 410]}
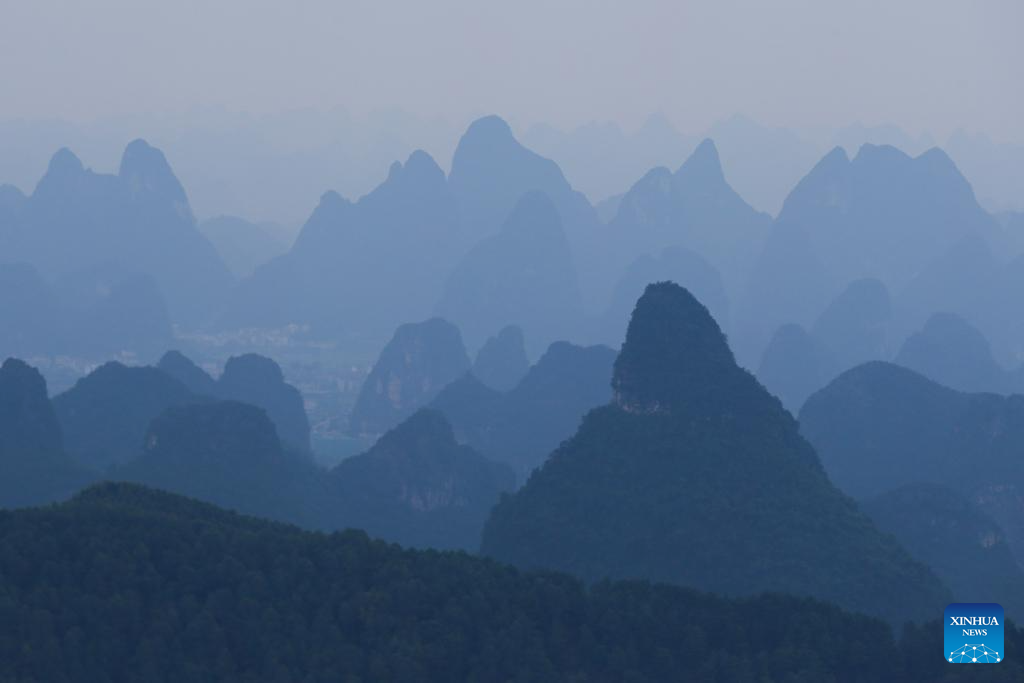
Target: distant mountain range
{"type": "Point", "coordinates": [243, 245]}
{"type": "Point", "coordinates": [524, 275]}
{"type": "Point", "coordinates": [105, 415]}
{"type": "Point", "coordinates": [682, 468]}
{"type": "Point", "coordinates": [501, 362]}
{"type": "Point", "coordinates": [693, 207]}
{"type": "Point", "coordinates": [951, 351]}
{"type": "Point", "coordinates": [405, 231]}
{"type": "Point", "coordinates": [274, 167]}
{"type": "Point", "coordinates": [765, 162]}
{"type": "Point", "coordinates": [560, 384]}
{"type": "Point", "coordinates": [855, 328]}
{"type": "Point", "coordinates": [505, 239]}
{"type": "Point", "coordinates": [138, 221]}
{"type": "Point", "coordinates": [417, 485]}
{"type": "Point", "coordinates": [96, 314]}
{"type": "Point", "coordinates": [881, 214]}
{"type": "Point", "coordinates": [879, 427]}
{"type": "Point", "coordinates": [523, 425]}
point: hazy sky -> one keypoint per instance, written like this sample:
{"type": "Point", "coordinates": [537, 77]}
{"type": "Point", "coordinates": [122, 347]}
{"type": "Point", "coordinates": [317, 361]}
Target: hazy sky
{"type": "Point", "coordinates": [922, 64]}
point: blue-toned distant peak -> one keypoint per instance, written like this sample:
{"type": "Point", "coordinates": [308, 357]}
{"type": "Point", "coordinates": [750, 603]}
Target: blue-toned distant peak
{"type": "Point", "coordinates": [704, 164]}
{"type": "Point", "coordinates": [64, 170]}
{"type": "Point", "coordinates": [534, 213]}
{"type": "Point", "coordinates": [419, 169]}
{"type": "Point", "coordinates": [879, 155]}
{"type": "Point", "coordinates": [491, 128]}
{"type": "Point", "coordinates": [64, 162]}
{"type": "Point", "coordinates": [144, 169]}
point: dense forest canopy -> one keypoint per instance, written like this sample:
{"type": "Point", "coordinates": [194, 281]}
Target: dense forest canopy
{"type": "Point", "coordinates": [127, 584]}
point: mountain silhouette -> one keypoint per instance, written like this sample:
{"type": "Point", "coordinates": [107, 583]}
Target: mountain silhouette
{"type": "Point", "coordinates": [969, 280]}
{"type": "Point", "coordinates": [139, 219]}
{"type": "Point", "coordinates": [94, 314]}
{"type": "Point", "coordinates": [854, 329]}
{"type": "Point", "coordinates": [601, 158]}
{"type": "Point", "coordinates": [33, 466]}
{"type": "Point", "coordinates": [882, 215]}
{"type": "Point", "coordinates": [676, 264]}
{"type": "Point", "coordinates": [954, 353]}
{"type": "Point", "coordinates": [472, 409]}
{"type": "Point", "coordinates": [282, 585]}
{"type": "Point", "coordinates": [501, 362]}
{"type": "Point", "coordinates": [12, 206]}
{"type": "Point", "coordinates": [129, 315]}
{"type": "Point", "coordinates": [418, 362]}
{"type": "Point", "coordinates": [105, 415]}
{"type": "Point", "coordinates": [258, 380]}
{"type": "Point", "coordinates": [695, 475]}
{"type": "Point", "coordinates": [418, 487]}
{"type": "Point", "coordinates": [32, 320]}
{"type": "Point", "coordinates": [253, 379]}
{"type": "Point", "coordinates": [521, 427]}
{"type": "Point", "coordinates": [177, 365]}
{"type": "Point", "coordinates": [242, 245]}
{"type": "Point", "coordinates": [1009, 333]}
{"type": "Point", "coordinates": [786, 285]}
{"type": "Point", "coordinates": [856, 325]}
{"type": "Point", "coordinates": [403, 237]}
{"type": "Point", "coordinates": [229, 454]}
{"type": "Point", "coordinates": [959, 542]}
{"type": "Point", "coordinates": [491, 172]}
{"type": "Point", "coordinates": [880, 426]}
{"type": "Point", "coordinates": [523, 275]}
{"type": "Point", "coordinates": [693, 207]}
{"type": "Point", "coordinates": [795, 365]}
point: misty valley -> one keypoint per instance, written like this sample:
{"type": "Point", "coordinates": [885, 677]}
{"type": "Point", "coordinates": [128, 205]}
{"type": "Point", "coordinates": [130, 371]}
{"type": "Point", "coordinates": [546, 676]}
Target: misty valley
{"type": "Point", "coordinates": [311, 396]}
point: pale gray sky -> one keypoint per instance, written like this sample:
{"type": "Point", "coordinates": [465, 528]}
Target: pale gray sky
{"type": "Point", "coordinates": [925, 65]}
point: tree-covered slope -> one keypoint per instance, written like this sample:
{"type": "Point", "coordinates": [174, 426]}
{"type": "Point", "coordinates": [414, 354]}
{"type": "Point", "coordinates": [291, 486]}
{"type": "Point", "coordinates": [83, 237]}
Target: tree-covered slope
{"type": "Point", "coordinates": [950, 534]}
{"type": "Point", "coordinates": [229, 454]}
{"type": "Point", "coordinates": [129, 584]}
{"type": "Point", "coordinates": [521, 427]}
{"type": "Point", "coordinates": [879, 426]}
{"type": "Point", "coordinates": [248, 378]}
{"type": "Point", "coordinates": [104, 416]}
{"type": "Point", "coordinates": [696, 475]}
{"type": "Point", "coordinates": [34, 468]}
{"type": "Point", "coordinates": [419, 487]}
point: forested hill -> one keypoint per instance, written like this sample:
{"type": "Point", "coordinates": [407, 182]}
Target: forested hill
{"type": "Point", "coordinates": [124, 583]}
{"type": "Point", "coordinates": [695, 475]}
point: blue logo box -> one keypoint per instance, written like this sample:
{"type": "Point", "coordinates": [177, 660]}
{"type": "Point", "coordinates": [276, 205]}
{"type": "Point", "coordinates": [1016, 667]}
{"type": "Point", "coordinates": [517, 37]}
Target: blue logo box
{"type": "Point", "coordinates": [973, 633]}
